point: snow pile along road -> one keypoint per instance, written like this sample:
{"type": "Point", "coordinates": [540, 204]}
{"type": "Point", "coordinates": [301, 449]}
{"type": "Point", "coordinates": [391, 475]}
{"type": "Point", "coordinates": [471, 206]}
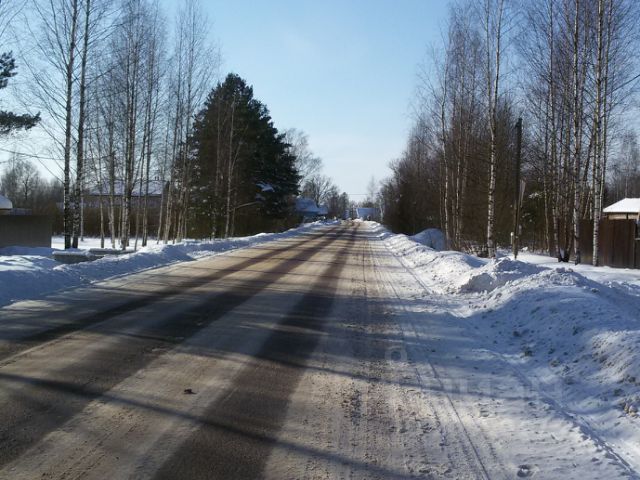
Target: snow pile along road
{"type": "Point", "coordinates": [441, 272]}
{"type": "Point", "coordinates": [432, 238]}
{"type": "Point", "coordinates": [575, 340]}
{"type": "Point", "coordinates": [28, 273]}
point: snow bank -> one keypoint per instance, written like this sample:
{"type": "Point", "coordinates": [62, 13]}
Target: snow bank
{"type": "Point", "coordinates": [442, 272]}
{"type": "Point", "coordinates": [432, 238]}
{"type": "Point", "coordinates": [496, 273]}
{"type": "Point", "coordinates": [27, 273]}
{"type": "Point", "coordinates": [623, 278]}
{"type": "Point", "coordinates": [577, 339]}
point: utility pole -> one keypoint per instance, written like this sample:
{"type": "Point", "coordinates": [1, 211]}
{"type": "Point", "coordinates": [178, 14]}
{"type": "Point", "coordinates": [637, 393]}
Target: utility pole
{"type": "Point", "coordinates": [517, 200]}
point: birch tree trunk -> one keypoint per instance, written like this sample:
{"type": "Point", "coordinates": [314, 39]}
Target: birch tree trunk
{"type": "Point", "coordinates": [597, 162]}
{"type": "Point", "coordinates": [78, 207]}
{"type": "Point", "coordinates": [493, 79]}
{"type": "Point", "coordinates": [70, 66]}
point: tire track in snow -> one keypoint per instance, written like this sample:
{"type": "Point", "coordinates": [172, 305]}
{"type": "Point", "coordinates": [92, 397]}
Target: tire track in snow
{"type": "Point", "coordinates": [445, 412]}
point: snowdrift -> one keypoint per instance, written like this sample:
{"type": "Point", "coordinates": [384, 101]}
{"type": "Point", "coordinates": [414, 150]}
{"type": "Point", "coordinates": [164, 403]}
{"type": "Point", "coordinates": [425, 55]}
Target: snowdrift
{"type": "Point", "coordinates": [576, 338]}
{"type": "Point", "coordinates": [432, 238]}
{"type": "Point", "coordinates": [27, 273]}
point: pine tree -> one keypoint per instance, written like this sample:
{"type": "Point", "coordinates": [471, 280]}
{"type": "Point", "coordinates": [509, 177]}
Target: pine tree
{"type": "Point", "coordinates": [245, 176]}
{"type": "Point", "coordinates": [10, 121]}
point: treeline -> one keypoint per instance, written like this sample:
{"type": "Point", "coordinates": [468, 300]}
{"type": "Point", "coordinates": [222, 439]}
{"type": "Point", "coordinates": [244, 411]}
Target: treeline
{"type": "Point", "coordinates": [22, 183]}
{"type": "Point", "coordinates": [569, 70]}
{"type": "Point", "coordinates": [313, 183]}
{"type": "Point", "coordinates": [147, 148]}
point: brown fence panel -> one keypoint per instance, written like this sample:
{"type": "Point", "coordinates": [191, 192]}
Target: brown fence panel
{"type": "Point", "coordinates": [586, 241]}
{"type": "Point", "coordinates": [617, 246]}
{"type": "Point", "coordinates": [625, 243]}
{"type": "Point", "coordinates": [25, 231]}
{"type": "Point", "coordinates": [608, 243]}
{"type": "Point", "coordinates": [618, 243]}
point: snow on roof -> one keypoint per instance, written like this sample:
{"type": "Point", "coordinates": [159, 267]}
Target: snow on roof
{"type": "Point", "coordinates": [306, 205]}
{"type": "Point", "coordinates": [626, 205]}
{"type": "Point", "coordinates": [5, 203]}
{"type": "Point", "coordinates": [265, 187]}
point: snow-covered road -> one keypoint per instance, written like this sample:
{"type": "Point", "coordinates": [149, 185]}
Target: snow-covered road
{"type": "Point", "coordinates": [338, 352]}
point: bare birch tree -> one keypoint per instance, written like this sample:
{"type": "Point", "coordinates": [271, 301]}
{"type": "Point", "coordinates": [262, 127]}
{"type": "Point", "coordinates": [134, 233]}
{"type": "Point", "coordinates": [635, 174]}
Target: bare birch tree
{"type": "Point", "coordinates": [493, 26]}
{"type": "Point", "coordinates": [56, 37]}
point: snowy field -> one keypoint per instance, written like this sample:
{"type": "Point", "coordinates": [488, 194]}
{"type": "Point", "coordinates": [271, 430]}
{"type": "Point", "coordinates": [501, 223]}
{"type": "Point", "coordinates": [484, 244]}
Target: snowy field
{"type": "Point", "coordinates": [30, 273]}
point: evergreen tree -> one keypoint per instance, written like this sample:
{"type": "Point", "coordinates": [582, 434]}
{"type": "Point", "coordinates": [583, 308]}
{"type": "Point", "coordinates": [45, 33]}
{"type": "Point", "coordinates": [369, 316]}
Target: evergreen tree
{"type": "Point", "coordinates": [10, 121]}
{"type": "Point", "coordinates": [245, 177]}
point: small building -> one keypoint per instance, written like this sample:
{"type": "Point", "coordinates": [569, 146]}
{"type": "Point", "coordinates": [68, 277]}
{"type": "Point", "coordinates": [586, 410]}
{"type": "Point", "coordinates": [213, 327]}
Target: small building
{"type": "Point", "coordinates": [618, 235]}
{"type": "Point", "coordinates": [323, 211]}
{"type": "Point", "coordinates": [625, 209]}
{"type": "Point", "coordinates": [5, 205]}
{"type": "Point", "coordinates": [97, 194]}
{"type": "Point", "coordinates": [18, 228]}
{"type": "Point", "coordinates": [309, 211]}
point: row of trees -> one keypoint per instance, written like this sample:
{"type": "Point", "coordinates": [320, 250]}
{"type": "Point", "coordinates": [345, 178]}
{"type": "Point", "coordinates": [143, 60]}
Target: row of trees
{"type": "Point", "coordinates": [313, 183]}
{"type": "Point", "coordinates": [567, 67]}
{"type": "Point", "coordinates": [119, 106]}
{"type": "Point", "coordinates": [116, 107]}
{"type": "Point", "coordinates": [121, 91]}
{"type": "Point", "coordinates": [22, 183]}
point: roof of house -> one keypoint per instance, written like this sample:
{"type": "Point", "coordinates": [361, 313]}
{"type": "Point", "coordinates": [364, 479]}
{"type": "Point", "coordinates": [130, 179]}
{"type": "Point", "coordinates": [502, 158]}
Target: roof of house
{"type": "Point", "coordinates": [626, 205]}
{"type": "Point", "coordinates": [306, 205]}
{"type": "Point", "coordinates": [5, 203]}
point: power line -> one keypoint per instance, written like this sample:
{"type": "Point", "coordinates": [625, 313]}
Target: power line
{"type": "Point", "coordinates": [30, 155]}
{"type": "Point", "coordinates": [38, 158]}
{"type": "Point", "coordinates": [629, 81]}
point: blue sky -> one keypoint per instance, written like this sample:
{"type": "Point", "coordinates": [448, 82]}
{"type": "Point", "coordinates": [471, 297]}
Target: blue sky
{"type": "Point", "coordinates": [342, 71]}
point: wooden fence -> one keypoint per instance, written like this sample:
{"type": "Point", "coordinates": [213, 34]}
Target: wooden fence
{"type": "Point", "coordinates": [25, 231]}
{"type": "Point", "coordinates": [619, 244]}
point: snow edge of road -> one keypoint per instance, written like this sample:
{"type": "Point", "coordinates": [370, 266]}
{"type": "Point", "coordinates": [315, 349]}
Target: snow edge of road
{"type": "Point", "coordinates": [576, 339]}
{"type": "Point", "coordinates": [31, 274]}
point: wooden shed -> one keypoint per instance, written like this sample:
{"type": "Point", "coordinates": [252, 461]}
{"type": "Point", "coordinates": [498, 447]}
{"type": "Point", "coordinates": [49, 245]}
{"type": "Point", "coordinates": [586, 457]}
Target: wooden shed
{"type": "Point", "coordinates": [619, 241]}
{"type": "Point", "coordinates": [625, 209]}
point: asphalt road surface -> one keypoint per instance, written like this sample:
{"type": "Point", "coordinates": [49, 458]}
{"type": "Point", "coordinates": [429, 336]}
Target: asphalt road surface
{"type": "Point", "coordinates": [291, 359]}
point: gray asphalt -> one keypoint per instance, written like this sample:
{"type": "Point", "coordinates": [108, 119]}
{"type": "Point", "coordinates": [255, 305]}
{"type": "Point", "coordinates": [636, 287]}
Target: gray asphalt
{"type": "Point", "coordinates": [234, 434]}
